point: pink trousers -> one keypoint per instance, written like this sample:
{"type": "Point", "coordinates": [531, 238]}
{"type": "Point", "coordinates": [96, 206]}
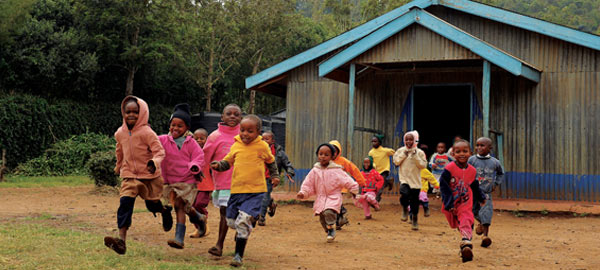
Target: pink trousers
{"type": "Point", "coordinates": [365, 201]}
{"type": "Point", "coordinates": [461, 218]}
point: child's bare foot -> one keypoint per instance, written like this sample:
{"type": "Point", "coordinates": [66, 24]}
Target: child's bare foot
{"type": "Point", "coordinates": [486, 242]}
{"type": "Point", "coordinates": [116, 244]}
{"type": "Point", "coordinates": [216, 251]}
{"type": "Point", "coordinates": [479, 229]}
{"type": "Point", "coordinates": [466, 250]}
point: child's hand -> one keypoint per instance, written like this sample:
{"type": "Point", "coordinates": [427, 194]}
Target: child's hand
{"type": "Point", "coordinates": [275, 181]}
{"type": "Point", "coordinates": [151, 167]}
{"type": "Point", "coordinates": [194, 168]}
{"type": "Point", "coordinates": [214, 165]}
{"type": "Point", "coordinates": [300, 195]}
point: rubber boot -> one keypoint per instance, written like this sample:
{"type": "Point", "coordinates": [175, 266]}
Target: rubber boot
{"type": "Point", "coordinates": [199, 220]}
{"type": "Point", "coordinates": [330, 235]}
{"type": "Point", "coordinates": [404, 213]}
{"type": "Point", "coordinates": [179, 236]}
{"type": "Point", "coordinates": [426, 210]}
{"type": "Point", "coordinates": [240, 246]}
{"type": "Point", "coordinates": [415, 225]}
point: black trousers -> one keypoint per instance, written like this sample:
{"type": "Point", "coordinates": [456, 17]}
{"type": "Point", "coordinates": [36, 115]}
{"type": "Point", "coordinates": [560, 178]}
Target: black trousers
{"type": "Point", "coordinates": [386, 183]}
{"type": "Point", "coordinates": [410, 197]}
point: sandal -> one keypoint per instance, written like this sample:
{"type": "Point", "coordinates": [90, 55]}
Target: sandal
{"type": "Point", "coordinates": [215, 251]}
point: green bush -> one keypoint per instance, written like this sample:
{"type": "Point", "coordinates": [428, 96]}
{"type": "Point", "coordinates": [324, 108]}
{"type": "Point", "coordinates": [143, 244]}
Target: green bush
{"type": "Point", "coordinates": [31, 124]}
{"type": "Point", "coordinates": [101, 166]}
{"type": "Point", "coordinates": [67, 157]}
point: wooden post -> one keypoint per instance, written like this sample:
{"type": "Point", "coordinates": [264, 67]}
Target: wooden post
{"type": "Point", "coordinates": [485, 96]}
{"type": "Point", "coordinates": [351, 83]}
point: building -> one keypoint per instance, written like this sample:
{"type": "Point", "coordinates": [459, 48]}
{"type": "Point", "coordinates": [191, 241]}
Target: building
{"type": "Point", "coordinates": [453, 67]}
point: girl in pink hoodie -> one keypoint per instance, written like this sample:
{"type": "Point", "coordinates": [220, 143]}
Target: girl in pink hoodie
{"type": "Point", "coordinates": [326, 181]}
{"type": "Point", "coordinates": [216, 148]}
{"type": "Point", "coordinates": [181, 169]}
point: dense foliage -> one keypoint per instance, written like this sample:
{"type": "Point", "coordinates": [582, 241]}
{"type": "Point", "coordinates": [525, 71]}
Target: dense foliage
{"type": "Point", "coordinates": [101, 166]}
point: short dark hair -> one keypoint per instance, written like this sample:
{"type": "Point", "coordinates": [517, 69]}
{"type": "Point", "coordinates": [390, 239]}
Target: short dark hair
{"type": "Point", "coordinates": [256, 119]}
{"type": "Point", "coordinates": [232, 105]}
{"type": "Point", "coordinates": [269, 132]}
{"type": "Point", "coordinates": [462, 141]}
{"type": "Point", "coordinates": [330, 146]}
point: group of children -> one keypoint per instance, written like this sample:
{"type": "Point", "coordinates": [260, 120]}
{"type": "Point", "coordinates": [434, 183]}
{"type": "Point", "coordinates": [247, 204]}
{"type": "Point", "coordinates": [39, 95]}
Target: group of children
{"type": "Point", "coordinates": [186, 169]}
{"type": "Point", "coordinates": [237, 168]}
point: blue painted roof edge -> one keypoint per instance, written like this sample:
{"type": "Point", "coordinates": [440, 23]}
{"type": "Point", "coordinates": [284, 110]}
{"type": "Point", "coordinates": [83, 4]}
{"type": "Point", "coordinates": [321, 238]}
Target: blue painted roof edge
{"type": "Point", "coordinates": [334, 43]}
{"type": "Point", "coordinates": [525, 22]}
{"type": "Point", "coordinates": [496, 56]}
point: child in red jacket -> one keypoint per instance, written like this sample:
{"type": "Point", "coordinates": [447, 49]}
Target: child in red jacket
{"type": "Point", "coordinates": [373, 183]}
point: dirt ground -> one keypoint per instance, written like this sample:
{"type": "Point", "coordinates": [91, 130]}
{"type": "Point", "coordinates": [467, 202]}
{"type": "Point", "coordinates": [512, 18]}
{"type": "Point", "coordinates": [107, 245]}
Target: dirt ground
{"type": "Point", "coordinates": [293, 239]}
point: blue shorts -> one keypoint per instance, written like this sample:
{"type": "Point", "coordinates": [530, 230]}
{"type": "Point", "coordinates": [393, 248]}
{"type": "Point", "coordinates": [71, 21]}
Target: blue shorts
{"type": "Point", "coordinates": [248, 202]}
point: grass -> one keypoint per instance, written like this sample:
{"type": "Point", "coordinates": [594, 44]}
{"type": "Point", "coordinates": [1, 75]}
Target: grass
{"type": "Point", "coordinates": [39, 246]}
{"type": "Point", "coordinates": [45, 181]}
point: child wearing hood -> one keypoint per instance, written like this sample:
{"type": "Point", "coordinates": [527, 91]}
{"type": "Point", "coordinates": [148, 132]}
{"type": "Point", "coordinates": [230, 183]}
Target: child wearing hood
{"type": "Point", "coordinates": [410, 160]}
{"type": "Point", "coordinates": [181, 170]}
{"type": "Point", "coordinates": [326, 180]}
{"type": "Point", "coordinates": [373, 183]}
{"type": "Point", "coordinates": [139, 156]}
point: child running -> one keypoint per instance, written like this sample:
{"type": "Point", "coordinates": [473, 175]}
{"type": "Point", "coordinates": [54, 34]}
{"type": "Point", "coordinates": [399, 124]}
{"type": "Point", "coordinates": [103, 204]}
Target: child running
{"type": "Point", "coordinates": [326, 180]}
{"type": "Point", "coordinates": [351, 169]}
{"type": "Point", "coordinates": [250, 153]}
{"type": "Point", "coordinates": [410, 161]}
{"type": "Point", "coordinates": [217, 146]}
{"type": "Point", "coordinates": [439, 160]}
{"type": "Point", "coordinates": [283, 162]}
{"type": "Point", "coordinates": [205, 189]}
{"type": "Point", "coordinates": [427, 178]}
{"type": "Point", "coordinates": [381, 159]}
{"type": "Point", "coordinates": [373, 183]}
{"type": "Point", "coordinates": [489, 175]}
{"type": "Point", "coordinates": [181, 169]}
{"type": "Point", "coordinates": [459, 189]}
{"type": "Point", "coordinates": [139, 155]}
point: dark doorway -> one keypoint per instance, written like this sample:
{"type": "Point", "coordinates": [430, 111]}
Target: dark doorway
{"type": "Point", "coordinates": [440, 113]}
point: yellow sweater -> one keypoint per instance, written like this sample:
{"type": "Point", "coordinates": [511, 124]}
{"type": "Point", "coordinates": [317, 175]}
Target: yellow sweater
{"type": "Point", "coordinates": [381, 158]}
{"type": "Point", "coordinates": [248, 161]}
{"type": "Point", "coordinates": [426, 179]}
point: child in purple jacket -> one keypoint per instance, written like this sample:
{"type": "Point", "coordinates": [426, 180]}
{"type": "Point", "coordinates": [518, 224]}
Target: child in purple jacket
{"type": "Point", "coordinates": [181, 169]}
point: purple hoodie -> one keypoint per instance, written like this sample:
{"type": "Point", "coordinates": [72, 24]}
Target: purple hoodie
{"type": "Point", "coordinates": [216, 148]}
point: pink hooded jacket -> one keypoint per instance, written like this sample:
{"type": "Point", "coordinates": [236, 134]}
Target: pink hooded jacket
{"type": "Point", "coordinates": [178, 163]}
{"type": "Point", "coordinates": [136, 147]}
{"type": "Point", "coordinates": [216, 148]}
{"type": "Point", "coordinates": [327, 184]}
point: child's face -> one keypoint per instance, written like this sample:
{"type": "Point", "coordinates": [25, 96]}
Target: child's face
{"type": "Point", "coordinates": [324, 156]}
{"type": "Point", "coordinates": [375, 142]}
{"type": "Point", "coordinates": [248, 130]}
{"type": "Point", "coordinates": [483, 146]}
{"type": "Point", "coordinates": [177, 128]}
{"type": "Point", "coordinates": [441, 148]}
{"type": "Point", "coordinates": [409, 141]}
{"type": "Point", "coordinates": [462, 152]}
{"type": "Point", "coordinates": [231, 116]}
{"type": "Point", "coordinates": [132, 112]}
{"type": "Point", "coordinates": [268, 138]}
{"type": "Point", "coordinates": [200, 137]}
{"type": "Point", "coordinates": [366, 163]}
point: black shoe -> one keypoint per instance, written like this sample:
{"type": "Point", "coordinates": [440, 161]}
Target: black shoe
{"type": "Point", "coordinates": [272, 208]}
{"type": "Point", "coordinates": [466, 250]}
{"type": "Point", "coordinates": [116, 244]}
{"type": "Point", "coordinates": [261, 221]}
{"type": "Point", "coordinates": [167, 219]}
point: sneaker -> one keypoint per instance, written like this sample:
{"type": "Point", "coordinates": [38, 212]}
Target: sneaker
{"type": "Point", "coordinates": [466, 250]}
{"type": "Point", "coordinates": [486, 242]}
{"type": "Point", "coordinates": [479, 229]}
{"type": "Point", "coordinates": [261, 221]}
{"type": "Point", "coordinates": [236, 261]}
{"type": "Point", "coordinates": [272, 208]}
{"type": "Point", "coordinates": [330, 235]}
{"type": "Point", "coordinates": [116, 244]}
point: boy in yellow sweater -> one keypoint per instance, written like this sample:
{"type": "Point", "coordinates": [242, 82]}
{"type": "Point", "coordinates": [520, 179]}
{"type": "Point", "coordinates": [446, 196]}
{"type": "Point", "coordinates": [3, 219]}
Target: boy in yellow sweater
{"type": "Point", "coordinates": [249, 153]}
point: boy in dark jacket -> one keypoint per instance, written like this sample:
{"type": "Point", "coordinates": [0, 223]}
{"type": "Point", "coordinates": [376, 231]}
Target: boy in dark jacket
{"type": "Point", "coordinates": [284, 163]}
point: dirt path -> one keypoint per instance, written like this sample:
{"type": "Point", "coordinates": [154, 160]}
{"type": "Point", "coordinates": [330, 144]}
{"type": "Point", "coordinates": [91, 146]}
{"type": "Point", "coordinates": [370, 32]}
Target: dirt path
{"type": "Point", "coordinates": [293, 239]}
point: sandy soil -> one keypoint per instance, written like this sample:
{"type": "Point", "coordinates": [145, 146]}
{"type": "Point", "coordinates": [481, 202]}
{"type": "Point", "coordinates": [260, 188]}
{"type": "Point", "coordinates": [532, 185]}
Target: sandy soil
{"type": "Point", "coordinates": [293, 239]}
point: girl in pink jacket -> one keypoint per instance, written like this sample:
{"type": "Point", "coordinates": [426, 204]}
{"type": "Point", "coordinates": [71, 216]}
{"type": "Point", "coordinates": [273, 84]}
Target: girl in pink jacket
{"type": "Point", "coordinates": [181, 170]}
{"type": "Point", "coordinates": [326, 181]}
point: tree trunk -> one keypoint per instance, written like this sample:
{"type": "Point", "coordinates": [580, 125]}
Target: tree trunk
{"type": "Point", "coordinates": [3, 166]}
{"type": "Point", "coordinates": [253, 92]}
{"type": "Point", "coordinates": [130, 76]}
{"type": "Point", "coordinates": [209, 81]}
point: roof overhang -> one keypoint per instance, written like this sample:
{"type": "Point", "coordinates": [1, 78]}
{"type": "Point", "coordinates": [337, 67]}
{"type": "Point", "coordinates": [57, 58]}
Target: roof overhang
{"type": "Point", "coordinates": [416, 15]}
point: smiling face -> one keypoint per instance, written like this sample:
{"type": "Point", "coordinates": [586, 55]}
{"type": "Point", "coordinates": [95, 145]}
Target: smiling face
{"type": "Point", "coordinates": [375, 142]}
{"type": "Point", "coordinates": [324, 156]}
{"type": "Point", "coordinates": [132, 113]}
{"type": "Point", "coordinates": [409, 141]}
{"type": "Point", "coordinates": [248, 130]}
{"type": "Point", "coordinates": [462, 152]}
{"type": "Point", "coordinates": [232, 115]}
{"type": "Point", "coordinates": [483, 146]}
{"type": "Point", "coordinates": [177, 128]}
{"type": "Point", "coordinates": [200, 137]}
